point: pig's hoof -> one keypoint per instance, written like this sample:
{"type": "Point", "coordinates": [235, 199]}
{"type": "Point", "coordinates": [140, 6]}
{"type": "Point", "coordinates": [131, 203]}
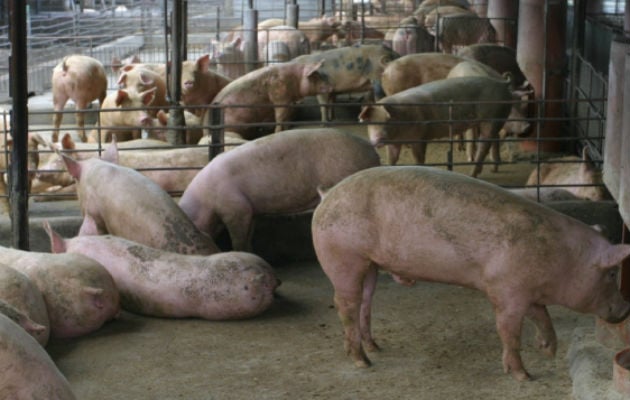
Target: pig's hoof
{"type": "Point", "coordinates": [521, 375]}
{"type": "Point", "coordinates": [364, 363]}
{"type": "Point", "coordinates": [371, 346]}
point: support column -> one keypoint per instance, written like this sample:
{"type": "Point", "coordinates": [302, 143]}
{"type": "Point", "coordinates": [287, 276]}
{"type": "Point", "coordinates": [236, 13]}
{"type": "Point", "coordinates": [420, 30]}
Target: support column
{"type": "Point", "coordinates": [504, 11]}
{"type": "Point", "coordinates": [541, 56]}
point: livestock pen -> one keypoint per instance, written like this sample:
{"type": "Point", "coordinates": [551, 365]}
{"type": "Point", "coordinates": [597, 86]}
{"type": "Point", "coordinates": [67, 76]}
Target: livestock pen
{"type": "Point", "coordinates": [298, 342]}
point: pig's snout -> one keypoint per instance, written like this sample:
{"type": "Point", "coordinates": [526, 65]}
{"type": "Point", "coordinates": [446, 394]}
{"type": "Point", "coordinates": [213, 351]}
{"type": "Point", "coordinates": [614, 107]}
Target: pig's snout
{"type": "Point", "coordinates": [146, 121]}
{"type": "Point", "coordinates": [618, 314]}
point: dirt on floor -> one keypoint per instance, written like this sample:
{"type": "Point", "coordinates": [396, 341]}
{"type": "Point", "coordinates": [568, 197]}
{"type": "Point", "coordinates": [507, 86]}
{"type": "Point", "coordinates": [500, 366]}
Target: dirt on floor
{"type": "Point", "coordinates": [438, 342]}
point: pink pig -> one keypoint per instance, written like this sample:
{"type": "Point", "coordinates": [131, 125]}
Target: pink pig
{"type": "Point", "coordinates": [81, 79]}
{"type": "Point", "coordinates": [431, 224]}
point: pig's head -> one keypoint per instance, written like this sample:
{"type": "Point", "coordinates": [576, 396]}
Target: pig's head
{"type": "Point", "coordinates": [53, 171]}
{"type": "Point", "coordinates": [192, 74]}
{"type": "Point", "coordinates": [134, 107]}
{"type": "Point", "coordinates": [589, 174]}
{"type": "Point", "coordinates": [376, 116]}
{"type": "Point", "coordinates": [314, 82]}
{"type": "Point", "coordinates": [598, 290]}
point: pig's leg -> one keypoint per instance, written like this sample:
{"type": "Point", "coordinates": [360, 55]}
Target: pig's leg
{"type": "Point", "coordinates": [487, 130]}
{"type": "Point", "coordinates": [545, 335]}
{"type": "Point", "coordinates": [90, 227]}
{"type": "Point", "coordinates": [369, 284]}
{"type": "Point", "coordinates": [349, 287]}
{"type": "Point", "coordinates": [282, 115]}
{"type": "Point", "coordinates": [419, 151]}
{"type": "Point", "coordinates": [81, 105]}
{"type": "Point", "coordinates": [393, 153]}
{"type": "Point", "coordinates": [4, 201]}
{"type": "Point", "coordinates": [59, 102]}
{"type": "Point", "coordinates": [237, 215]}
{"type": "Point", "coordinates": [325, 106]}
{"type": "Point", "coordinates": [471, 136]}
{"type": "Point", "coordinates": [509, 324]}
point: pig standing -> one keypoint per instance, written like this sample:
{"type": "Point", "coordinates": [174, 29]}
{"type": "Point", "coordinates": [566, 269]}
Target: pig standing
{"type": "Point", "coordinates": [422, 223]}
{"type": "Point", "coordinates": [464, 29]}
{"type": "Point", "coordinates": [79, 293]}
{"type": "Point", "coordinates": [157, 283]}
{"type": "Point", "coordinates": [411, 37]}
{"type": "Point", "coordinates": [295, 40]}
{"type": "Point", "coordinates": [319, 30]}
{"type": "Point", "coordinates": [199, 84]}
{"type": "Point", "coordinates": [415, 69]}
{"type": "Point", "coordinates": [501, 58]}
{"type": "Point", "coordinates": [236, 186]}
{"type": "Point", "coordinates": [124, 113]}
{"type": "Point", "coordinates": [138, 78]}
{"type": "Point", "coordinates": [17, 290]}
{"type": "Point", "coordinates": [81, 79]}
{"type": "Point", "coordinates": [28, 372]}
{"type": "Point", "coordinates": [479, 102]}
{"type": "Point", "coordinates": [351, 69]}
{"type": "Point", "coordinates": [579, 176]}
{"type": "Point", "coordinates": [267, 95]}
{"type": "Point", "coordinates": [228, 58]}
{"type": "Point", "coordinates": [121, 201]}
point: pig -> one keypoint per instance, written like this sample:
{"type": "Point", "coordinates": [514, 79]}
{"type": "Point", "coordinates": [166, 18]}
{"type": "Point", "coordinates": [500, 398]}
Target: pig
{"type": "Point", "coordinates": [28, 372]}
{"type": "Point", "coordinates": [266, 95]}
{"type": "Point", "coordinates": [200, 85]}
{"type": "Point", "coordinates": [34, 141]}
{"type": "Point", "coordinates": [577, 175]}
{"type": "Point", "coordinates": [17, 290]}
{"type": "Point", "coordinates": [351, 69]}
{"type": "Point", "coordinates": [276, 51]}
{"type": "Point", "coordinates": [410, 37]}
{"type": "Point", "coordinates": [500, 58]}
{"type": "Point", "coordinates": [232, 189]}
{"type": "Point", "coordinates": [81, 79]}
{"type": "Point", "coordinates": [431, 17]}
{"type": "Point", "coordinates": [516, 125]}
{"type": "Point", "coordinates": [117, 64]}
{"type": "Point", "coordinates": [141, 79]}
{"type": "Point", "coordinates": [152, 282]}
{"type": "Point", "coordinates": [124, 113]}
{"type": "Point", "coordinates": [296, 41]}
{"type": "Point", "coordinates": [464, 29]}
{"type": "Point", "coordinates": [545, 194]}
{"type": "Point", "coordinates": [481, 102]}
{"type": "Point", "coordinates": [319, 30]}
{"type": "Point", "coordinates": [415, 69]}
{"type": "Point", "coordinates": [228, 58]}
{"type": "Point", "coordinates": [139, 210]}
{"type": "Point", "coordinates": [354, 31]}
{"type": "Point", "coordinates": [191, 132]}
{"type": "Point", "coordinates": [79, 293]}
{"type": "Point", "coordinates": [527, 256]}
{"type": "Point", "coordinates": [31, 327]}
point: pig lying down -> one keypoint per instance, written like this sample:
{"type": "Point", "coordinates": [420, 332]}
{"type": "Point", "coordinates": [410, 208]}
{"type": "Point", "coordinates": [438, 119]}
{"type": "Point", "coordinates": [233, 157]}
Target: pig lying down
{"type": "Point", "coordinates": [28, 372]}
{"type": "Point", "coordinates": [430, 224]}
{"type": "Point", "coordinates": [152, 282]}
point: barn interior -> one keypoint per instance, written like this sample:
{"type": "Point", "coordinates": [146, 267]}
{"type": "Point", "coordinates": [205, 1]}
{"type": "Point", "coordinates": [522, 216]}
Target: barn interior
{"type": "Point", "coordinates": [438, 341]}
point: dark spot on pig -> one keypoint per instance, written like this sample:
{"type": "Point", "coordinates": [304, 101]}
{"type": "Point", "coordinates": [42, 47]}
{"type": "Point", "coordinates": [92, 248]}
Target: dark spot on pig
{"type": "Point", "coordinates": [335, 63]}
{"type": "Point", "coordinates": [350, 65]}
{"type": "Point", "coordinates": [132, 303]}
{"type": "Point", "coordinates": [141, 254]}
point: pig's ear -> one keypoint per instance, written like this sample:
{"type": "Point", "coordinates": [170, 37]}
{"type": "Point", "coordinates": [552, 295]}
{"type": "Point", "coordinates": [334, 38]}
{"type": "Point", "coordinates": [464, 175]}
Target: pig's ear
{"type": "Point", "coordinates": [111, 153]}
{"type": "Point", "coordinates": [57, 243]}
{"type": "Point", "coordinates": [146, 79]}
{"type": "Point", "coordinates": [203, 63]}
{"type": "Point", "coordinates": [236, 42]}
{"type": "Point", "coordinates": [67, 143]}
{"type": "Point", "coordinates": [162, 117]}
{"type": "Point", "coordinates": [148, 96]}
{"type": "Point", "coordinates": [73, 166]}
{"type": "Point", "coordinates": [127, 68]}
{"type": "Point", "coordinates": [366, 114]}
{"type": "Point", "coordinates": [96, 294]}
{"type": "Point", "coordinates": [121, 96]}
{"type": "Point", "coordinates": [614, 256]}
{"type": "Point", "coordinates": [122, 80]}
{"type": "Point", "coordinates": [310, 69]}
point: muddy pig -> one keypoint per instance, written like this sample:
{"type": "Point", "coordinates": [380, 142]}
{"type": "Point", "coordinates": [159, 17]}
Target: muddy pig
{"type": "Point", "coordinates": [153, 282]}
{"type": "Point", "coordinates": [121, 201]}
{"type": "Point", "coordinates": [81, 79]}
{"type": "Point", "coordinates": [79, 293]}
{"type": "Point", "coordinates": [237, 185]}
{"type": "Point", "coordinates": [579, 176]}
{"type": "Point", "coordinates": [200, 84]}
{"type": "Point", "coordinates": [527, 256]}
{"type": "Point", "coordinates": [480, 102]}
{"type": "Point", "coordinates": [266, 95]}
{"type": "Point", "coordinates": [351, 69]}
{"type": "Point", "coordinates": [17, 290]}
{"type": "Point", "coordinates": [28, 372]}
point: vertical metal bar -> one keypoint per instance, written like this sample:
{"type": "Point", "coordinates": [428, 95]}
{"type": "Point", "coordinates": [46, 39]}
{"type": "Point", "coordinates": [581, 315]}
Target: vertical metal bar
{"type": "Point", "coordinates": [18, 176]}
{"type": "Point", "coordinates": [217, 135]}
{"type": "Point", "coordinates": [624, 284]}
{"type": "Point", "coordinates": [176, 114]}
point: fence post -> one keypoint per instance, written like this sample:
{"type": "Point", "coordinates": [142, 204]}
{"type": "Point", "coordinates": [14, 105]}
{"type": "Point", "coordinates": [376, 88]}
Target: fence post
{"type": "Point", "coordinates": [250, 24]}
{"type": "Point", "coordinates": [217, 134]}
{"type": "Point", "coordinates": [293, 11]}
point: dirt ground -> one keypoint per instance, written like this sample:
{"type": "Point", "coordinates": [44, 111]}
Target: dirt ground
{"type": "Point", "coordinates": [438, 342]}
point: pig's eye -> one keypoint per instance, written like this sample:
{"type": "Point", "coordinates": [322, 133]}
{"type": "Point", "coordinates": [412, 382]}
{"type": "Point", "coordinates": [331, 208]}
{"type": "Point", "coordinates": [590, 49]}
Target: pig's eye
{"type": "Point", "coordinates": [612, 274]}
